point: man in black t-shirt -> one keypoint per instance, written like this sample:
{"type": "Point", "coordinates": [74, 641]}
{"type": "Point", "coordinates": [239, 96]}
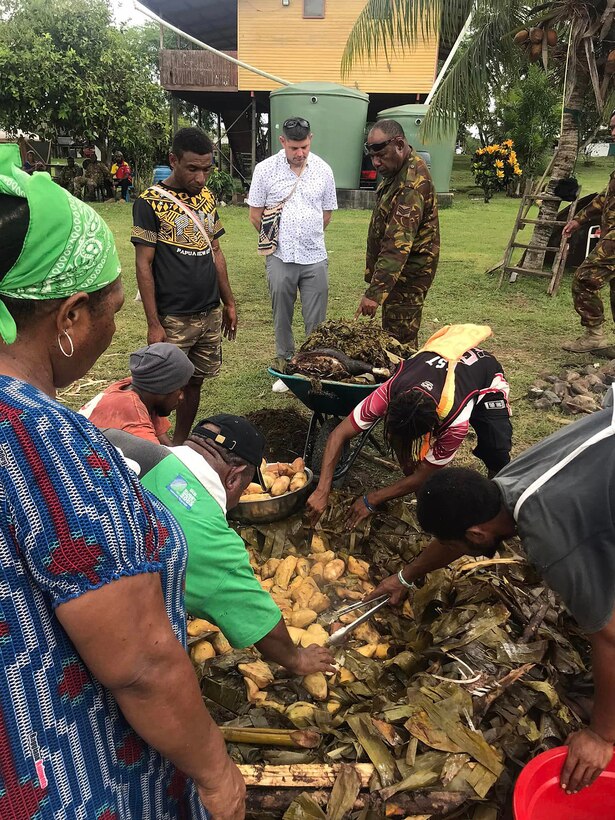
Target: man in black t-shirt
{"type": "Point", "coordinates": [181, 270]}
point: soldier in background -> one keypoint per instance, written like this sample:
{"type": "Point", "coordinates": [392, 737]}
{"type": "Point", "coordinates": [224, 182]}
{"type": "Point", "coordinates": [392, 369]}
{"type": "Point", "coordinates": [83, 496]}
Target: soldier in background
{"type": "Point", "coordinates": [68, 173]}
{"type": "Point", "coordinates": [597, 270]}
{"type": "Point", "coordinates": [96, 178]}
{"type": "Point", "coordinates": [403, 240]}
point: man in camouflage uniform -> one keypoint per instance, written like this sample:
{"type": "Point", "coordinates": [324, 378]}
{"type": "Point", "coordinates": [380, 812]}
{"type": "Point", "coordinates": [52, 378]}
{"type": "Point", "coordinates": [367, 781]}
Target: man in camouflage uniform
{"type": "Point", "coordinates": [96, 178]}
{"type": "Point", "coordinates": [597, 270]}
{"type": "Point", "coordinates": [403, 240]}
{"type": "Point", "coordinates": [68, 174]}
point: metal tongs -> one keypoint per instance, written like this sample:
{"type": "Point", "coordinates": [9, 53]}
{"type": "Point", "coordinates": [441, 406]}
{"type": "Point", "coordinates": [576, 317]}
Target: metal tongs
{"type": "Point", "coordinates": [340, 635]}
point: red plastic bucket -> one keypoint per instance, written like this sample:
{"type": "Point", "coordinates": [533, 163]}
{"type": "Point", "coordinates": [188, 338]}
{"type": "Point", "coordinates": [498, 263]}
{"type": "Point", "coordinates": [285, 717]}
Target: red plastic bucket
{"type": "Point", "coordinates": [539, 796]}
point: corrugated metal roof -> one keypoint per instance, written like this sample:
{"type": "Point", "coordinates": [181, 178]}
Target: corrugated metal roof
{"type": "Point", "coordinates": [212, 21]}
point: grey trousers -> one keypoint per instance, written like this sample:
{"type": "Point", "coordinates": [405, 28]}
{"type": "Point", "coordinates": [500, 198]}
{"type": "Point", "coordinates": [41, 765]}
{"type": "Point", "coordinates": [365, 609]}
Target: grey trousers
{"type": "Point", "coordinates": [284, 280]}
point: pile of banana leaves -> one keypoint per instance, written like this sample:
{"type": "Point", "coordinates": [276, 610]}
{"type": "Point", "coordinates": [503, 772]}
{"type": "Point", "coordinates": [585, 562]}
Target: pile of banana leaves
{"type": "Point", "coordinates": [475, 681]}
{"type": "Point", "coordinates": [363, 341]}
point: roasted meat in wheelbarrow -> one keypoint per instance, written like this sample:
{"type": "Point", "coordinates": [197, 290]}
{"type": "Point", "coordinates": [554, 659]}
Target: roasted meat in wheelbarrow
{"type": "Point", "coordinates": [328, 363]}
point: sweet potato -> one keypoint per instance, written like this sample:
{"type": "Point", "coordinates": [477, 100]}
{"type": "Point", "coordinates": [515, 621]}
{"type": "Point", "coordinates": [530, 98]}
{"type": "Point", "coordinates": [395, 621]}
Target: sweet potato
{"type": "Point", "coordinates": [303, 617]}
{"type": "Point", "coordinates": [366, 632]}
{"type": "Point", "coordinates": [221, 645]}
{"type": "Point", "coordinates": [267, 584]}
{"type": "Point", "coordinates": [298, 481]}
{"type": "Point", "coordinates": [269, 567]}
{"type": "Point", "coordinates": [269, 480]}
{"type": "Point", "coordinates": [368, 650]}
{"type": "Point", "coordinates": [303, 567]}
{"type": "Point", "coordinates": [358, 567]}
{"type": "Point", "coordinates": [316, 685]}
{"type": "Point", "coordinates": [334, 570]}
{"type": "Point", "coordinates": [295, 634]}
{"type": "Point", "coordinates": [257, 671]}
{"type": "Point", "coordinates": [319, 602]}
{"type": "Point", "coordinates": [348, 594]}
{"type": "Point", "coordinates": [202, 651]}
{"type": "Point", "coordinates": [199, 626]}
{"type": "Point", "coordinates": [253, 692]}
{"type": "Point", "coordinates": [319, 543]}
{"type": "Point", "coordinates": [298, 465]}
{"type": "Point", "coordinates": [382, 651]}
{"type": "Point", "coordinates": [317, 572]}
{"type": "Point", "coordinates": [255, 497]}
{"type": "Point", "coordinates": [323, 557]}
{"type": "Point", "coordinates": [301, 713]}
{"type": "Point", "coordinates": [253, 488]}
{"type": "Point", "coordinates": [285, 571]}
{"type": "Point", "coordinates": [280, 486]}
{"type": "Point", "coordinates": [314, 634]}
{"type": "Point", "coordinates": [302, 595]}
{"type": "Point", "coordinates": [345, 676]}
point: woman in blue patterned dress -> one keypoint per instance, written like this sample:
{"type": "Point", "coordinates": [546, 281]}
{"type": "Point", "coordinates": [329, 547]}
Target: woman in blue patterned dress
{"type": "Point", "coordinates": [100, 712]}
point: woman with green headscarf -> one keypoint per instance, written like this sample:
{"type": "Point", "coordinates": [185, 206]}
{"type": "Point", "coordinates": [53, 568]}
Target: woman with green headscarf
{"type": "Point", "coordinates": [100, 711]}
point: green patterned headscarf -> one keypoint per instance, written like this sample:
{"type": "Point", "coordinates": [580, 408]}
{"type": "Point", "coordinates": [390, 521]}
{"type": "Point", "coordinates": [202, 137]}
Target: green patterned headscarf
{"type": "Point", "coordinates": [68, 247]}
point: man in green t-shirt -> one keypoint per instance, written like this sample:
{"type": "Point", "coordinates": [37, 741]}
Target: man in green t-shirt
{"type": "Point", "coordinates": [197, 482]}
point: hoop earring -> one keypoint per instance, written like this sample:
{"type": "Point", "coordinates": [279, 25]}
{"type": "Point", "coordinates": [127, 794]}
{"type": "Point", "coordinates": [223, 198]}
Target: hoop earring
{"type": "Point", "coordinates": [70, 341]}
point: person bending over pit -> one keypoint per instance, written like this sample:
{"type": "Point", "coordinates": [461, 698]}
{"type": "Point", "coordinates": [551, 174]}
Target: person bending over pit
{"type": "Point", "coordinates": [428, 406]}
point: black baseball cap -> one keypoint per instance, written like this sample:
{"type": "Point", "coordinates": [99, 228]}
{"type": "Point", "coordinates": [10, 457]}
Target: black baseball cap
{"type": "Point", "coordinates": [237, 435]}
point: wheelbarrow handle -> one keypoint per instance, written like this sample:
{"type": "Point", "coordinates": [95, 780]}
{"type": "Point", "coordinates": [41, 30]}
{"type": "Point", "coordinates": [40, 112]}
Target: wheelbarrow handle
{"type": "Point", "coordinates": [340, 635]}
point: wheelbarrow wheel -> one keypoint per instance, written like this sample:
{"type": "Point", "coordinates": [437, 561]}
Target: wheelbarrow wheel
{"type": "Point", "coordinates": [320, 442]}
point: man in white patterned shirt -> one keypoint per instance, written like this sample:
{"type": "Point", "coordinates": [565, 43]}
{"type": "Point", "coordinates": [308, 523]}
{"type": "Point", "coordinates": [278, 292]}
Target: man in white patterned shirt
{"type": "Point", "coordinates": [300, 261]}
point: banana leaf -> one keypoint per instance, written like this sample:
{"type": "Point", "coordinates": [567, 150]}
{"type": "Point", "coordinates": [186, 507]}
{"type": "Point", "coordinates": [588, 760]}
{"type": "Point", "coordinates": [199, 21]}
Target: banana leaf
{"type": "Point", "coordinates": [518, 654]}
{"type": "Point", "coordinates": [343, 794]}
{"type": "Point", "coordinates": [374, 747]}
{"type": "Point", "coordinates": [426, 772]}
{"type": "Point", "coordinates": [304, 807]}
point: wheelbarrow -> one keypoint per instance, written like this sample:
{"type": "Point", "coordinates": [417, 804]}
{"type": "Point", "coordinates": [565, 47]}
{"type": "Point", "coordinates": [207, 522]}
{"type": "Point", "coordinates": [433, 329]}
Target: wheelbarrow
{"type": "Point", "coordinates": [329, 405]}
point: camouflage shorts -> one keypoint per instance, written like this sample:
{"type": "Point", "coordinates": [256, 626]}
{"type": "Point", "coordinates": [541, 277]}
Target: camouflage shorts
{"type": "Point", "coordinates": [199, 335]}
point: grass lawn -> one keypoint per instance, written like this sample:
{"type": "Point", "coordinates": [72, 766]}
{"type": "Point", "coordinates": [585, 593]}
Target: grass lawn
{"type": "Point", "coordinates": [529, 326]}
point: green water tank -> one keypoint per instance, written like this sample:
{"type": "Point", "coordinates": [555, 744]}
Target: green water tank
{"type": "Point", "coordinates": [337, 116]}
{"type": "Point", "coordinates": [441, 150]}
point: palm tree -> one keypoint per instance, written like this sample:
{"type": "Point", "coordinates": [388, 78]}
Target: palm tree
{"type": "Point", "coordinates": [585, 31]}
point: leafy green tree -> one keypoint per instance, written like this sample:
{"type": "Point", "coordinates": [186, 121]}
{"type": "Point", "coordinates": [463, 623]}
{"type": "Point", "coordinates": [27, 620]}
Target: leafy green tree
{"type": "Point", "coordinates": [64, 69]}
{"type": "Point", "coordinates": [583, 33]}
{"type": "Point", "coordinates": [530, 112]}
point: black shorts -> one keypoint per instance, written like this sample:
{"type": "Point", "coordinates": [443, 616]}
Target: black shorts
{"type": "Point", "coordinates": [491, 422]}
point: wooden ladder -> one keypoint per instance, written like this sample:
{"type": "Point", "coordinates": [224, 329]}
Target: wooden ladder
{"type": "Point", "coordinates": [561, 251]}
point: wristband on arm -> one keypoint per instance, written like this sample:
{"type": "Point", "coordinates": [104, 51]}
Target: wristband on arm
{"type": "Point", "coordinates": [402, 580]}
{"type": "Point", "coordinates": [369, 506]}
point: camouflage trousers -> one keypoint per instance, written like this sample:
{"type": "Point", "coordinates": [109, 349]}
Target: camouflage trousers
{"type": "Point", "coordinates": [403, 308]}
{"type": "Point", "coordinates": [590, 277]}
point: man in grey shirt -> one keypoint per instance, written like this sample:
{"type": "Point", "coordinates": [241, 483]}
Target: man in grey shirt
{"type": "Point", "coordinates": [559, 498]}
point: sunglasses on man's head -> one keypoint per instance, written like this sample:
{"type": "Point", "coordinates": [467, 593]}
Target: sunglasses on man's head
{"type": "Point", "coordinates": [376, 147]}
{"type": "Point", "coordinates": [295, 121]}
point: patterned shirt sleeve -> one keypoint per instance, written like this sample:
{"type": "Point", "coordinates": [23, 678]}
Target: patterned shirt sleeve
{"type": "Point", "coordinates": [396, 244]}
{"type": "Point", "coordinates": [592, 212]}
{"type": "Point", "coordinates": [329, 199]}
{"type": "Point", "coordinates": [257, 195]}
{"type": "Point", "coordinates": [218, 230]}
{"type": "Point", "coordinates": [79, 515]}
{"type": "Point", "coordinates": [443, 449]}
{"type": "Point", "coordinates": [372, 408]}
{"type": "Point", "coordinates": [145, 224]}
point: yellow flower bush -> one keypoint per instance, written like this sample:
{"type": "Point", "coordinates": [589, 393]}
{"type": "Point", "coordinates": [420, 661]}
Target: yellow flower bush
{"type": "Point", "coordinates": [495, 166]}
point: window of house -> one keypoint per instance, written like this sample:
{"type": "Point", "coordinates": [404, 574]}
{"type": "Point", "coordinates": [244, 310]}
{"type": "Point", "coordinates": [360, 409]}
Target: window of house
{"type": "Point", "coordinates": [314, 8]}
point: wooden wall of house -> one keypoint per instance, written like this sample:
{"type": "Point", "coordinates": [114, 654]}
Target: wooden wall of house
{"type": "Point", "coordinates": [278, 39]}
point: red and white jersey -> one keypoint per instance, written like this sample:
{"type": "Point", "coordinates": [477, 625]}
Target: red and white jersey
{"type": "Point", "coordinates": [478, 375]}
